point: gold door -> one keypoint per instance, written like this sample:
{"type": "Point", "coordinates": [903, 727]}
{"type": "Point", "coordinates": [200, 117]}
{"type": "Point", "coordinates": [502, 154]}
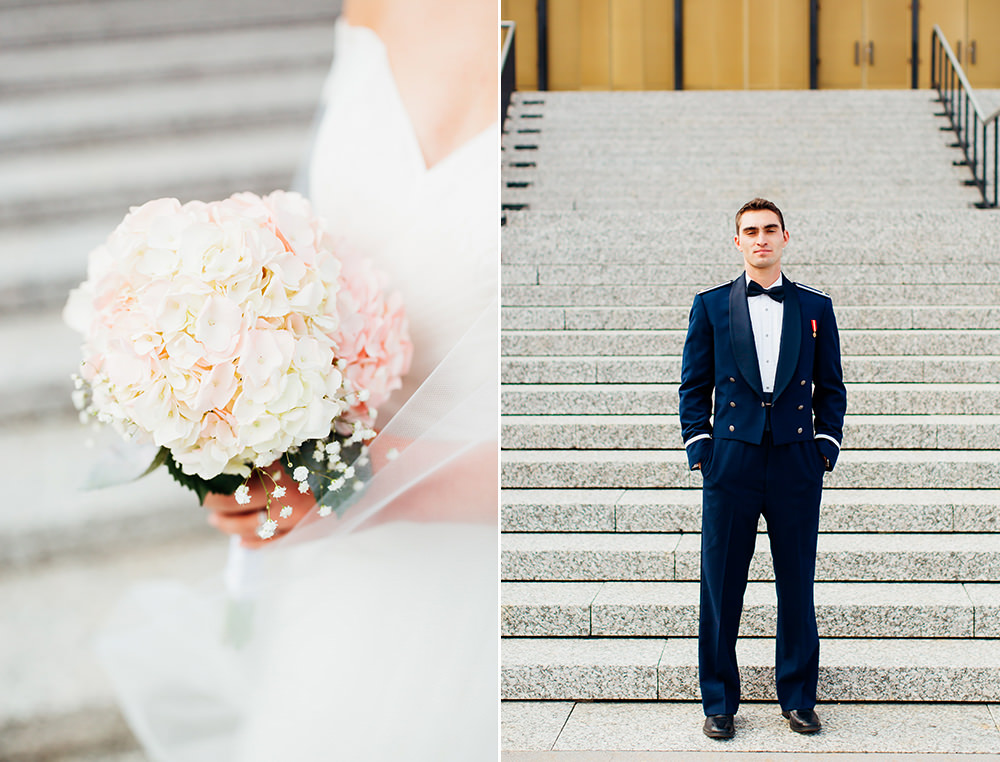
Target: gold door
{"type": "Point", "coordinates": [887, 44]}
{"type": "Point", "coordinates": [864, 44]}
{"type": "Point", "coordinates": [713, 45]}
{"type": "Point", "coordinates": [982, 51]}
{"type": "Point", "coordinates": [950, 15]}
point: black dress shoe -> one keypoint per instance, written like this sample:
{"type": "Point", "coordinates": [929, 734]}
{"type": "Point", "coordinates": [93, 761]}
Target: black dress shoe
{"type": "Point", "coordinates": [719, 726]}
{"type": "Point", "coordinates": [802, 720]}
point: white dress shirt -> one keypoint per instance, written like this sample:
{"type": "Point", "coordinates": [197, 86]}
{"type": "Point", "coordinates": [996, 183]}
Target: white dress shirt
{"type": "Point", "coordinates": [765, 318]}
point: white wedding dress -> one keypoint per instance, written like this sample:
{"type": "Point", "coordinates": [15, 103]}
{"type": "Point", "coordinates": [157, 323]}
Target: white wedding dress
{"type": "Point", "coordinates": [377, 645]}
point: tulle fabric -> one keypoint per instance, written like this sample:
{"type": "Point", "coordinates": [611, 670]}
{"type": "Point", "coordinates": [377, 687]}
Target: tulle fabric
{"type": "Point", "coordinates": [371, 635]}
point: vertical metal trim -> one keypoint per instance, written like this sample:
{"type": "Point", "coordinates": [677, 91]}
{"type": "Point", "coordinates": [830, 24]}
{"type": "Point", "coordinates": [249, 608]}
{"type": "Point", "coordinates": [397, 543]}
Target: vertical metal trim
{"type": "Point", "coordinates": [678, 44]}
{"type": "Point", "coordinates": [813, 44]}
{"type": "Point", "coordinates": [915, 45]}
{"type": "Point", "coordinates": [542, 24]}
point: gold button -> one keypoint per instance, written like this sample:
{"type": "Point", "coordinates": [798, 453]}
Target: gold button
{"type": "Point", "coordinates": [801, 406]}
{"type": "Point", "coordinates": [800, 431]}
{"type": "Point", "coordinates": [732, 379]}
{"type": "Point", "coordinates": [732, 404]}
{"type": "Point", "coordinates": [802, 382]}
{"type": "Point", "coordinates": [732, 428]}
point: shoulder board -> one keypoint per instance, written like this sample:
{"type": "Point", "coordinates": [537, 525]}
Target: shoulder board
{"type": "Point", "coordinates": [814, 290]}
{"type": "Point", "coordinates": [713, 288]}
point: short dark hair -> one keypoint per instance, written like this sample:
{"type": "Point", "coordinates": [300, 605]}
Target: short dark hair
{"type": "Point", "coordinates": [757, 205]}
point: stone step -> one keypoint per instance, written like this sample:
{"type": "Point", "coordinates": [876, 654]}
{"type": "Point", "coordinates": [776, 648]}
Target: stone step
{"type": "Point", "coordinates": [69, 182]}
{"type": "Point", "coordinates": [650, 469]}
{"type": "Point", "coordinates": [27, 24]}
{"type": "Point", "coordinates": [941, 369]}
{"type": "Point", "coordinates": [46, 518]}
{"type": "Point", "coordinates": [522, 295]}
{"type": "Point", "coordinates": [549, 343]}
{"type": "Point", "coordinates": [930, 317]}
{"type": "Point", "coordinates": [565, 557]}
{"type": "Point", "coordinates": [670, 731]}
{"type": "Point", "coordinates": [664, 237]}
{"type": "Point", "coordinates": [829, 275]}
{"type": "Point", "coordinates": [226, 102]}
{"type": "Point", "coordinates": [679, 510]}
{"type": "Point", "coordinates": [660, 399]}
{"type": "Point", "coordinates": [57, 697]}
{"type": "Point", "coordinates": [670, 609]}
{"type": "Point", "coordinates": [640, 432]}
{"type": "Point", "coordinates": [851, 669]}
{"type": "Point", "coordinates": [31, 71]}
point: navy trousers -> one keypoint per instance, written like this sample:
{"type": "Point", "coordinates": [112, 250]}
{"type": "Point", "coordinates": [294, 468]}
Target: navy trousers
{"type": "Point", "coordinates": [742, 482]}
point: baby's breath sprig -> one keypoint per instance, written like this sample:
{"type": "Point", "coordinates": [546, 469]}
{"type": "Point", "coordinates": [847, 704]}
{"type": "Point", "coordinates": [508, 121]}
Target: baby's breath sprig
{"type": "Point", "coordinates": [328, 466]}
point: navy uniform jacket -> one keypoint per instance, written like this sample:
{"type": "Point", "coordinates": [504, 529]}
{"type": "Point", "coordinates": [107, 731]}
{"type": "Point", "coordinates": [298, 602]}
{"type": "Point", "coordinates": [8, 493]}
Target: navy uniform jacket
{"type": "Point", "coordinates": [809, 398]}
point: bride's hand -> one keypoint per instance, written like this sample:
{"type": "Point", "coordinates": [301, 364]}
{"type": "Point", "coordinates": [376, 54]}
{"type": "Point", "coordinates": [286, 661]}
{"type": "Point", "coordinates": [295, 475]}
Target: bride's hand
{"type": "Point", "coordinates": [228, 516]}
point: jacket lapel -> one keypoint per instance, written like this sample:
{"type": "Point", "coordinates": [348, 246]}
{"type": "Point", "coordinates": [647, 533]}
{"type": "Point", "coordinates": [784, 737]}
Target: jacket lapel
{"type": "Point", "coordinates": [741, 335]}
{"type": "Point", "coordinates": [791, 338]}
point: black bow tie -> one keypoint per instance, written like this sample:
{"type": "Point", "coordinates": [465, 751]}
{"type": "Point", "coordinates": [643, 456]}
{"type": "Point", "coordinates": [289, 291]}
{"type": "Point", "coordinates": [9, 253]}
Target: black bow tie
{"type": "Point", "coordinates": [775, 292]}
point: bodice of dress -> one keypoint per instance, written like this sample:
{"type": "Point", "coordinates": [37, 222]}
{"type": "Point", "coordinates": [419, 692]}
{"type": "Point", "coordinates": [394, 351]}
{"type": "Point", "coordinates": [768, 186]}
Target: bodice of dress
{"type": "Point", "coordinates": [432, 231]}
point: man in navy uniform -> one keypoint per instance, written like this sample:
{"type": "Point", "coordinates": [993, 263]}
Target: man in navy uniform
{"type": "Point", "coordinates": [769, 350]}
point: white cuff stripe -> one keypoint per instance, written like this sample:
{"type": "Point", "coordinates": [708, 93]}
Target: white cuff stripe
{"type": "Point", "coordinates": [827, 436]}
{"type": "Point", "coordinates": [695, 439]}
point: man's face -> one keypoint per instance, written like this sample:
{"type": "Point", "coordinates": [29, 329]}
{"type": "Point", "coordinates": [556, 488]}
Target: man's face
{"type": "Point", "coordinates": [761, 239]}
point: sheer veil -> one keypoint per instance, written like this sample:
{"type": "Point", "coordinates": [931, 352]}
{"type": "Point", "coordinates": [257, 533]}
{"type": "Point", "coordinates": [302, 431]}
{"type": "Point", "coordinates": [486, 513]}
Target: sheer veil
{"type": "Point", "coordinates": [369, 635]}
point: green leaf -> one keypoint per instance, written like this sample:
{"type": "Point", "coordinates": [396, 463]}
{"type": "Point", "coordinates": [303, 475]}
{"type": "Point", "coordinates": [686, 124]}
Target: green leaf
{"type": "Point", "coordinates": [224, 484]}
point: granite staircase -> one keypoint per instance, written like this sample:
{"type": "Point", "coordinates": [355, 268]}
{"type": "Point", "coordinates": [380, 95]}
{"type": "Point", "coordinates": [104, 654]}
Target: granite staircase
{"type": "Point", "coordinates": [105, 104]}
{"type": "Point", "coordinates": [618, 208]}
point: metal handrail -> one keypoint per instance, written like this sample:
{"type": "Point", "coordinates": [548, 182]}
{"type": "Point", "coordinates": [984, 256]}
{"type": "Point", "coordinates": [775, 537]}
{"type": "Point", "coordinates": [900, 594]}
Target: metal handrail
{"type": "Point", "coordinates": [971, 127]}
{"type": "Point", "coordinates": [508, 71]}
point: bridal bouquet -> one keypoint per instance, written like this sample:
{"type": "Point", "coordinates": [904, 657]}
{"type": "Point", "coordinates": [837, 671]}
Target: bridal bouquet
{"type": "Point", "coordinates": [232, 335]}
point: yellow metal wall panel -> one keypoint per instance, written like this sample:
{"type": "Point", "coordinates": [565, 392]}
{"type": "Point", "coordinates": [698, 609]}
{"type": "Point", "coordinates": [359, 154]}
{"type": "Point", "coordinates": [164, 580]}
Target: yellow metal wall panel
{"type": "Point", "coordinates": [886, 44]}
{"type": "Point", "coordinates": [564, 44]}
{"type": "Point", "coordinates": [627, 70]}
{"type": "Point", "coordinates": [713, 44]}
{"type": "Point", "coordinates": [983, 68]}
{"type": "Point", "coordinates": [522, 13]}
{"type": "Point", "coordinates": [761, 44]}
{"type": "Point", "coordinates": [595, 44]}
{"type": "Point", "coordinates": [658, 44]}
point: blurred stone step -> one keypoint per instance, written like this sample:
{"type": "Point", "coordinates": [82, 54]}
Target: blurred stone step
{"type": "Point", "coordinates": [63, 245]}
{"type": "Point", "coordinates": [39, 382]}
{"type": "Point", "coordinates": [670, 609]}
{"type": "Point", "coordinates": [55, 691]}
{"type": "Point", "coordinates": [97, 64]}
{"type": "Point", "coordinates": [638, 730]}
{"type": "Point", "coordinates": [679, 510]}
{"type": "Point", "coordinates": [228, 102]}
{"type": "Point", "coordinates": [850, 669]}
{"type": "Point", "coordinates": [660, 399]}
{"type": "Point", "coordinates": [941, 369]}
{"type": "Point", "coordinates": [46, 24]}
{"type": "Point", "coordinates": [650, 469]}
{"type": "Point", "coordinates": [84, 181]}
{"type": "Point", "coordinates": [682, 294]}
{"type": "Point", "coordinates": [549, 343]}
{"type": "Point", "coordinates": [46, 519]}
{"type": "Point", "coordinates": [952, 318]}
{"type": "Point", "coordinates": [829, 274]}
{"type": "Point", "coordinates": [637, 432]}
{"type": "Point", "coordinates": [662, 557]}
